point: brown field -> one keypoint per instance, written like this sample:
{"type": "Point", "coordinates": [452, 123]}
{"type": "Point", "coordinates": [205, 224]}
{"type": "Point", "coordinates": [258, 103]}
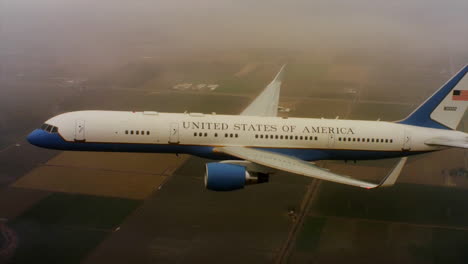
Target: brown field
{"type": "Point", "coordinates": [124, 175]}
{"type": "Point", "coordinates": [348, 73]}
{"type": "Point", "coordinates": [139, 163]}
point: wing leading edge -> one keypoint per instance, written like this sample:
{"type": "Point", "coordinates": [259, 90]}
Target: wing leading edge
{"type": "Point", "coordinates": [266, 104]}
{"type": "Point", "coordinates": [297, 166]}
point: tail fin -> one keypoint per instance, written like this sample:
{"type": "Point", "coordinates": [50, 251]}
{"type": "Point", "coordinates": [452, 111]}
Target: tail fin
{"type": "Point", "coordinates": [446, 107]}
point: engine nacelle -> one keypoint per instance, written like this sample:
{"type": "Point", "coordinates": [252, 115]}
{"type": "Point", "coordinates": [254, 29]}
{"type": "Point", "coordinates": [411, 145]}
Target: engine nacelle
{"type": "Point", "coordinates": [230, 177]}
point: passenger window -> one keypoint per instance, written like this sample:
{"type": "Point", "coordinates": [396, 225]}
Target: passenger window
{"type": "Point", "coordinates": [195, 134]}
{"type": "Point", "coordinates": [296, 137]}
{"type": "Point", "coordinates": [391, 140]}
{"type": "Point", "coordinates": [126, 132]}
{"type": "Point", "coordinates": [256, 136]}
{"type": "Point", "coordinates": [225, 135]}
{"type": "Point", "coordinates": [236, 135]}
{"type": "Point", "coordinates": [231, 135]}
{"type": "Point", "coordinates": [142, 132]}
{"type": "Point", "coordinates": [137, 132]}
{"type": "Point", "coordinates": [316, 138]}
{"type": "Point", "coordinates": [261, 136]}
{"type": "Point", "coordinates": [216, 134]}
{"type": "Point", "coordinates": [131, 132]}
{"type": "Point", "coordinates": [354, 139]}
{"type": "Point", "coordinates": [386, 141]}
{"type": "Point", "coordinates": [276, 136]}
{"type": "Point", "coordinates": [147, 132]}
{"type": "Point", "coordinates": [206, 134]}
{"type": "Point", "coordinates": [300, 137]}
{"type": "Point", "coordinates": [281, 136]}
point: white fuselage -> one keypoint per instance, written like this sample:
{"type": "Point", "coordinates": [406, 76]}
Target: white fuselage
{"type": "Point", "coordinates": [211, 130]}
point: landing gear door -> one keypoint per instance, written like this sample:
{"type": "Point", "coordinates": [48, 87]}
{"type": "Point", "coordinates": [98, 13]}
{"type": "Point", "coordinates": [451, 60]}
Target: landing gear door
{"type": "Point", "coordinates": [406, 141]}
{"type": "Point", "coordinates": [80, 131]}
{"type": "Point", "coordinates": [174, 133]}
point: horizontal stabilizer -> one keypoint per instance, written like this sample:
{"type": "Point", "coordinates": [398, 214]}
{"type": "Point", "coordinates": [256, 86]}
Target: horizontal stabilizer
{"type": "Point", "coordinates": [445, 142]}
{"type": "Point", "coordinates": [297, 166]}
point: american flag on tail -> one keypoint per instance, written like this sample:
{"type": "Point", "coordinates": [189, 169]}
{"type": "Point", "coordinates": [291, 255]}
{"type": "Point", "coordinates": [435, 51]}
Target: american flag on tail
{"type": "Point", "coordinates": [460, 95]}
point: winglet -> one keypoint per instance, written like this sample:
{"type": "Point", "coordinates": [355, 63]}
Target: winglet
{"type": "Point", "coordinates": [391, 178]}
{"type": "Point", "coordinates": [266, 103]}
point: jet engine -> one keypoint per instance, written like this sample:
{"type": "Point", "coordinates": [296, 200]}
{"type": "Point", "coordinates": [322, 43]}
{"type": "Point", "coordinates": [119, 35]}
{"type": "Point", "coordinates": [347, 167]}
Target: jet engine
{"type": "Point", "coordinates": [230, 177]}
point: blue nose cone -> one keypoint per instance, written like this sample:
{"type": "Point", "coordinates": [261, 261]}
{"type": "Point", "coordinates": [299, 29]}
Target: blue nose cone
{"type": "Point", "coordinates": [40, 138]}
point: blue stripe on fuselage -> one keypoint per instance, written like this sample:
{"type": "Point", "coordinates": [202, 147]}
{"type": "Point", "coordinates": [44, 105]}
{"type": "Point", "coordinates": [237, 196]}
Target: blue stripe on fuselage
{"type": "Point", "coordinates": [44, 139]}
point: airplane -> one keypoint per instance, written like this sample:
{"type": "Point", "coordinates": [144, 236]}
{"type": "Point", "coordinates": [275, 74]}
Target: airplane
{"type": "Point", "coordinates": [251, 146]}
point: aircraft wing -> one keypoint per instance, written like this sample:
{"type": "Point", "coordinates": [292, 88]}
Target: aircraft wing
{"type": "Point", "coordinates": [445, 142]}
{"type": "Point", "coordinates": [298, 166]}
{"type": "Point", "coordinates": [266, 104]}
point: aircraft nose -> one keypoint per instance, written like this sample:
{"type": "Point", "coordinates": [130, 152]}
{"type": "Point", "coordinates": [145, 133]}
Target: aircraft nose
{"type": "Point", "coordinates": [38, 138]}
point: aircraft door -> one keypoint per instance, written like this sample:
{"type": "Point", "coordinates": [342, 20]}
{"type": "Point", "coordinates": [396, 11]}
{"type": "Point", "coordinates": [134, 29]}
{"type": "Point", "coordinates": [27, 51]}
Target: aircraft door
{"type": "Point", "coordinates": [80, 130]}
{"type": "Point", "coordinates": [331, 140]}
{"type": "Point", "coordinates": [406, 141]}
{"type": "Point", "coordinates": [174, 133]}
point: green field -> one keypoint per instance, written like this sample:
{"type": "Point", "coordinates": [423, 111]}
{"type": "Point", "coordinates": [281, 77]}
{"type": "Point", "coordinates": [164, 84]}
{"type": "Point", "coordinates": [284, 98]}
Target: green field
{"type": "Point", "coordinates": [407, 223]}
{"type": "Point", "coordinates": [63, 228]}
{"type": "Point", "coordinates": [309, 238]}
{"type": "Point", "coordinates": [435, 205]}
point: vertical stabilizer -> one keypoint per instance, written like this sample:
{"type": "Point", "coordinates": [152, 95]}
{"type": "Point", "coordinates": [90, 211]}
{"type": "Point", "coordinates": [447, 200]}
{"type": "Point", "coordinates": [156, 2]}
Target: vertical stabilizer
{"type": "Point", "coordinates": [446, 107]}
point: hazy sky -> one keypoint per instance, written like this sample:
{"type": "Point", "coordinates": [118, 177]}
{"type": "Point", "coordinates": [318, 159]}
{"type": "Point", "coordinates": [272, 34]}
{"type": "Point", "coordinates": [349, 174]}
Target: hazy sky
{"type": "Point", "coordinates": [112, 29]}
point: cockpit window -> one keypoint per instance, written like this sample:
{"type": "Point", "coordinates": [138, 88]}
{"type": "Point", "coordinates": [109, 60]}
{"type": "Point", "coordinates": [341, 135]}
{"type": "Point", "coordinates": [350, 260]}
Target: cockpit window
{"type": "Point", "coordinates": [49, 128]}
